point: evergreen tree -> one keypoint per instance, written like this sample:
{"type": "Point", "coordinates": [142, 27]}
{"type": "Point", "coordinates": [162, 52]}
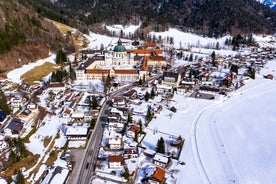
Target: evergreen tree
{"type": "Point", "coordinates": [126, 174]}
{"type": "Point", "coordinates": [234, 68]}
{"type": "Point", "coordinates": [147, 96]}
{"type": "Point", "coordinates": [251, 72]}
{"type": "Point", "coordinates": [20, 178]}
{"type": "Point", "coordinates": [107, 83]}
{"type": "Point", "coordinates": [94, 103]}
{"type": "Point", "coordinates": [140, 126]}
{"type": "Point", "coordinates": [72, 72]}
{"type": "Point", "coordinates": [61, 57]}
{"type": "Point", "coordinates": [213, 56]}
{"type": "Point", "coordinates": [191, 57]}
{"type": "Point", "coordinates": [3, 103]}
{"type": "Point", "coordinates": [136, 136]}
{"type": "Point", "coordinates": [152, 93]}
{"type": "Point", "coordinates": [129, 118]}
{"type": "Point", "coordinates": [149, 115]}
{"type": "Point", "coordinates": [160, 147]}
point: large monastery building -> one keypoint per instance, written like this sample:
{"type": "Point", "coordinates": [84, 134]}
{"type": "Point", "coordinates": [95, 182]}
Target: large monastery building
{"type": "Point", "coordinates": [121, 64]}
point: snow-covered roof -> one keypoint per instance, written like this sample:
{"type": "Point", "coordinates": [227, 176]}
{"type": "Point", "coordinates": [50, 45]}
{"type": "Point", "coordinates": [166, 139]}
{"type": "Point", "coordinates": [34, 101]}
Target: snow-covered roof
{"type": "Point", "coordinates": [57, 176]}
{"type": "Point", "coordinates": [76, 130]}
{"type": "Point", "coordinates": [115, 140]}
{"type": "Point", "coordinates": [161, 158]}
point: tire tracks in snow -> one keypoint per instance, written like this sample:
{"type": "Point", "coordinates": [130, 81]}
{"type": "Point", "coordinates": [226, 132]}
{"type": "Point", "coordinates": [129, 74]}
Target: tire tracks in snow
{"type": "Point", "coordinates": [195, 150]}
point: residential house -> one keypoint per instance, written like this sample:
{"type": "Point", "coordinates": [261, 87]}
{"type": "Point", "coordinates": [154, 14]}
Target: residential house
{"type": "Point", "coordinates": [131, 94]}
{"type": "Point", "coordinates": [56, 175]}
{"type": "Point", "coordinates": [77, 115]}
{"type": "Point", "coordinates": [158, 176]}
{"type": "Point", "coordinates": [163, 89]}
{"type": "Point", "coordinates": [56, 86]}
{"type": "Point", "coordinates": [31, 106]}
{"type": "Point", "coordinates": [161, 160]}
{"type": "Point", "coordinates": [115, 125]}
{"type": "Point", "coordinates": [16, 102]}
{"type": "Point", "coordinates": [25, 115]}
{"type": "Point", "coordinates": [14, 128]}
{"type": "Point", "coordinates": [131, 152]}
{"type": "Point", "coordinates": [115, 143]}
{"type": "Point", "coordinates": [156, 61]}
{"type": "Point", "coordinates": [115, 161]}
{"type": "Point", "coordinates": [119, 102]}
{"type": "Point", "coordinates": [171, 79]}
{"type": "Point", "coordinates": [76, 132]}
{"type": "Point", "coordinates": [149, 153]}
{"type": "Point", "coordinates": [132, 130]}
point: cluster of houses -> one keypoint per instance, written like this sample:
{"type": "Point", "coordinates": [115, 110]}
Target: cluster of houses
{"type": "Point", "coordinates": [122, 138]}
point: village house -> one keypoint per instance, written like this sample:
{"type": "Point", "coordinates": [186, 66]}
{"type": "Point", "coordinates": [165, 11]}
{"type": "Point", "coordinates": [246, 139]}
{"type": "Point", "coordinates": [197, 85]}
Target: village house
{"type": "Point", "coordinates": [131, 152]}
{"type": "Point", "coordinates": [156, 61]}
{"type": "Point", "coordinates": [31, 106]}
{"type": "Point", "coordinates": [163, 89]}
{"type": "Point", "coordinates": [157, 177]}
{"type": "Point", "coordinates": [131, 94]}
{"type": "Point", "coordinates": [56, 174]}
{"type": "Point", "coordinates": [56, 86]}
{"type": "Point", "coordinates": [76, 132]}
{"type": "Point", "coordinates": [171, 79]}
{"type": "Point", "coordinates": [161, 160]}
{"type": "Point", "coordinates": [149, 153]}
{"type": "Point", "coordinates": [14, 128]}
{"type": "Point", "coordinates": [119, 101]}
{"type": "Point", "coordinates": [115, 143]}
{"type": "Point", "coordinates": [116, 125]}
{"type": "Point", "coordinates": [17, 102]}
{"type": "Point", "coordinates": [132, 130]}
{"type": "Point", "coordinates": [115, 161]}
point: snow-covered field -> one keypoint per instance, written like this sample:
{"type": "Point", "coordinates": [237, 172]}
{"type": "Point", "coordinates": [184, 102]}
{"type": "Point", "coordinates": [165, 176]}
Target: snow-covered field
{"type": "Point", "coordinates": [228, 140]}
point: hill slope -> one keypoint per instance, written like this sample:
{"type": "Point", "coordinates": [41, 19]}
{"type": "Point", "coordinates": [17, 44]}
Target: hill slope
{"type": "Point", "coordinates": [25, 36]}
{"type": "Point", "coordinates": [206, 16]}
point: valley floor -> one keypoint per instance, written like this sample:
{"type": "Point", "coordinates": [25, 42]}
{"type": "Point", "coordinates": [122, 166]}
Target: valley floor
{"type": "Point", "coordinates": [228, 140]}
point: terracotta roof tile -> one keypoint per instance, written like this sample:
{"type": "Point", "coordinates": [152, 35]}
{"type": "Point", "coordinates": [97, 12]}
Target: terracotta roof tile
{"type": "Point", "coordinates": [159, 174]}
{"type": "Point", "coordinates": [97, 71]}
{"type": "Point", "coordinates": [150, 44]}
{"type": "Point", "coordinates": [115, 158]}
{"type": "Point", "coordinates": [125, 71]}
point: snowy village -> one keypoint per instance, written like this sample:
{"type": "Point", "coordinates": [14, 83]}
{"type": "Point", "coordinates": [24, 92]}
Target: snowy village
{"type": "Point", "coordinates": [164, 111]}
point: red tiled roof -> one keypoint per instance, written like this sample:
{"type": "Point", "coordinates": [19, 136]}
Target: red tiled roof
{"type": "Point", "coordinates": [145, 64]}
{"type": "Point", "coordinates": [159, 174]}
{"type": "Point", "coordinates": [134, 128]}
{"type": "Point", "coordinates": [150, 44]}
{"type": "Point", "coordinates": [125, 71]}
{"type": "Point", "coordinates": [115, 158]}
{"type": "Point", "coordinates": [142, 51]}
{"type": "Point", "coordinates": [97, 71]}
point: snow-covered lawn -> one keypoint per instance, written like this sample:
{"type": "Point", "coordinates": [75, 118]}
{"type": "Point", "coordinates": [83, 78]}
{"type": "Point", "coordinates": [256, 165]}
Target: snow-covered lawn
{"type": "Point", "coordinates": [228, 140]}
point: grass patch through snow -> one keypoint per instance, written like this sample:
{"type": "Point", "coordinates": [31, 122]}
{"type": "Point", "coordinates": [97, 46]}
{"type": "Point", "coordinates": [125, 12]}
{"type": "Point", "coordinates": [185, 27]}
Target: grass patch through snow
{"type": "Point", "coordinates": [37, 73]}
